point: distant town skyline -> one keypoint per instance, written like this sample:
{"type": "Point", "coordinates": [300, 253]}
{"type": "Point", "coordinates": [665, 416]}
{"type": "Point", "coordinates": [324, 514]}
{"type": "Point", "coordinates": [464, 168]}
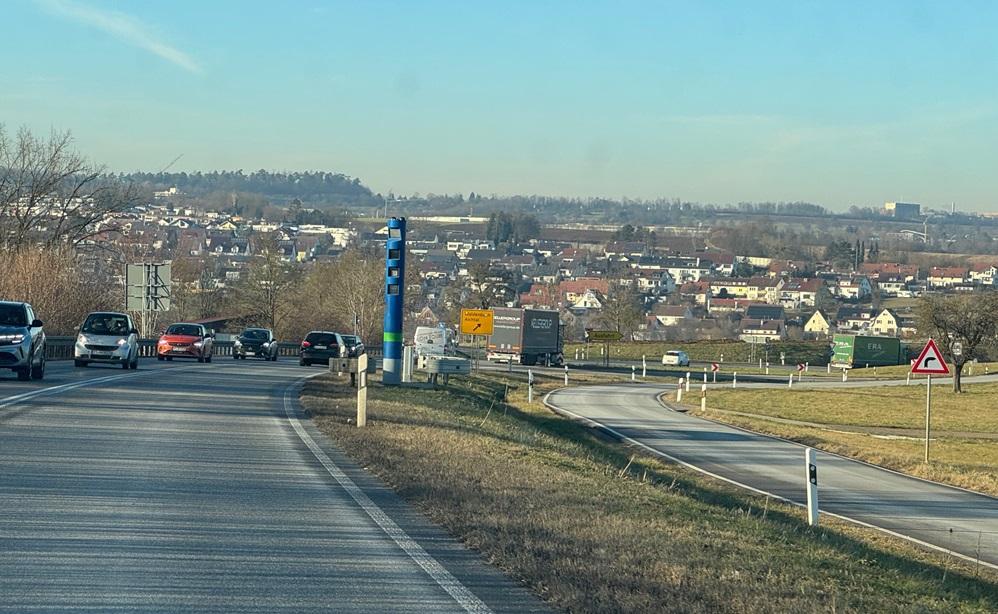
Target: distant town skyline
{"type": "Point", "coordinates": [838, 105]}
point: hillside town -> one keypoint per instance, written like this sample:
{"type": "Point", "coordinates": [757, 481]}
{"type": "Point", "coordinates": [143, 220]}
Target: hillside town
{"type": "Point", "coordinates": [676, 285]}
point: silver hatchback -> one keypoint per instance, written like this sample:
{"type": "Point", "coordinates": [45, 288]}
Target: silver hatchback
{"type": "Point", "coordinates": [107, 337]}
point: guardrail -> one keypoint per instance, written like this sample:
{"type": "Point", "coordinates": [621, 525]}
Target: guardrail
{"type": "Point", "coordinates": [61, 348]}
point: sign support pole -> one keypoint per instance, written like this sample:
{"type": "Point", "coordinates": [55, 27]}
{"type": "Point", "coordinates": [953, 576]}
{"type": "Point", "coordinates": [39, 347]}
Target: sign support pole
{"type": "Point", "coordinates": [928, 413]}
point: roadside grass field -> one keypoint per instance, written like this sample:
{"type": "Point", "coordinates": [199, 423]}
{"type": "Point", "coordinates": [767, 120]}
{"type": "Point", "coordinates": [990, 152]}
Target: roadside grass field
{"type": "Point", "coordinates": [814, 352]}
{"type": "Point", "coordinates": [592, 526]}
{"type": "Point", "coordinates": [957, 457]}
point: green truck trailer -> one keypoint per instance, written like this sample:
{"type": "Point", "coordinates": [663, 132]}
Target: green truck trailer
{"type": "Point", "coordinates": [859, 351]}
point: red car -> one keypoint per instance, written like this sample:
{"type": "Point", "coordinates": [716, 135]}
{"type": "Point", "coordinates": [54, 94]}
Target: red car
{"type": "Point", "coordinates": [186, 341]}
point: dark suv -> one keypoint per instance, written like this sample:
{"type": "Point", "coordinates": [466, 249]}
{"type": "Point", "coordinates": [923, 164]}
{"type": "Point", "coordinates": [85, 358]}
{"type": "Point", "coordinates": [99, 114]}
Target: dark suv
{"type": "Point", "coordinates": [22, 341]}
{"type": "Point", "coordinates": [319, 346]}
{"type": "Point", "coordinates": [355, 347]}
{"type": "Point", "coordinates": [257, 342]}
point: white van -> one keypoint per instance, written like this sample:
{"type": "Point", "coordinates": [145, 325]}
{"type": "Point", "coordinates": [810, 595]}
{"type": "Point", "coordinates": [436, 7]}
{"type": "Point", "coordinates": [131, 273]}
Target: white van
{"type": "Point", "coordinates": [677, 358]}
{"type": "Point", "coordinates": [433, 341]}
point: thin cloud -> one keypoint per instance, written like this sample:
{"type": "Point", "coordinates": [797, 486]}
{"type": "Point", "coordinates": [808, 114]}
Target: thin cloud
{"type": "Point", "coordinates": [121, 26]}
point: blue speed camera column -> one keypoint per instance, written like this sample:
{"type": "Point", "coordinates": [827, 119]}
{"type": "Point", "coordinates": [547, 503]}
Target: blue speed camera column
{"type": "Point", "coordinates": [391, 374]}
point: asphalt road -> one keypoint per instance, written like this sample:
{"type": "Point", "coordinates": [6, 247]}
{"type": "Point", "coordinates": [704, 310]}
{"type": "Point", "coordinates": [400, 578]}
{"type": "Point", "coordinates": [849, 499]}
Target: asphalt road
{"type": "Point", "coordinates": [933, 514]}
{"type": "Point", "coordinates": [191, 487]}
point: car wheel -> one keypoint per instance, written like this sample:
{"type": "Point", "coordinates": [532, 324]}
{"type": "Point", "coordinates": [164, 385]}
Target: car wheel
{"type": "Point", "coordinates": [304, 363]}
{"type": "Point", "coordinates": [200, 358]}
{"type": "Point", "coordinates": [208, 359]}
{"type": "Point", "coordinates": [39, 371]}
{"type": "Point", "coordinates": [160, 358]}
{"type": "Point", "coordinates": [83, 363]}
{"type": "Point", "coordinates": [169, 358]}
{"type": "Point", "coordinates": [23, 373]}
{"type": "Point", "coordinates": [235, 357]}
{"type": "Point", "coordinates": [135, 364]}
{"type": "Point", "coordinates": [125, 364]}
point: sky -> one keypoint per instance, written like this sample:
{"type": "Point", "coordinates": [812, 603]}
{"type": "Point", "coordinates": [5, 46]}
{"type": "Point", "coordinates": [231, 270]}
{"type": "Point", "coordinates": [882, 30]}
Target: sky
{"type": "Point", "coordinates": [835, 103]}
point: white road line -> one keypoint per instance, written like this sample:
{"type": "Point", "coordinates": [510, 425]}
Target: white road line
{"type": "Point", "coordinates": [59, 389]}
{"type": "Point", "coordinates": [656, 452]}
{"type": "Point", "coordinates": [464, 597]}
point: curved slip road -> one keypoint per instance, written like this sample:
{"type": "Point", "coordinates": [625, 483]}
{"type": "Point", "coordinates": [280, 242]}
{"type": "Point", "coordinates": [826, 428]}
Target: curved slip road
{"type": "Point", "coordinates": [189, 487]}
{"type": "Point", "coordinates": [935, 515]}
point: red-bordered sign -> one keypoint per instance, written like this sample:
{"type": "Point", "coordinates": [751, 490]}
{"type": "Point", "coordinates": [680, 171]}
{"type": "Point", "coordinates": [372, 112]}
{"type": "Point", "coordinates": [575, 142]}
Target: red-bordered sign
{"type": "Point", "coordinates": [930, 361]}
{"type": "Point", "coordinates": [800, 366]}
{"type": "Point", "coordinates": [715, 367]}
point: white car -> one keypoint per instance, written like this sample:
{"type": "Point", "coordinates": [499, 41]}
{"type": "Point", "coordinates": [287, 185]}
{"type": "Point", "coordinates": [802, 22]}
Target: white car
{"type": "Point", "coordinates": [107, 337]}
{"type": "Point", "coordinates": [676, 358]}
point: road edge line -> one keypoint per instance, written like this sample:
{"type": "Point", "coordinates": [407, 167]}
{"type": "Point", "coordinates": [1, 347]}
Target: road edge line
{"type": "Point", "coordinates": [621, 436]}
{"type": "Point", "coordinates": [437, 572]}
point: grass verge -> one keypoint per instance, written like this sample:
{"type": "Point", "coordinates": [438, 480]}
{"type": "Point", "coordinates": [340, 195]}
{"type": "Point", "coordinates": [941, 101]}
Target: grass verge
{"type": "Point", "coordinates": [893, 417]}
{"type": "Point", "coordinates": [592, 527]}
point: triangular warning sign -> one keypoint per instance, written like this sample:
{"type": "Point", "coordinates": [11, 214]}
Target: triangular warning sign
{"type": "Point", "coordinates": [930, 361]}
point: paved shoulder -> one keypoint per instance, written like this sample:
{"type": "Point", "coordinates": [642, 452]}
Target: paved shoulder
{"type": "Point", "coordinates": [937, 515]}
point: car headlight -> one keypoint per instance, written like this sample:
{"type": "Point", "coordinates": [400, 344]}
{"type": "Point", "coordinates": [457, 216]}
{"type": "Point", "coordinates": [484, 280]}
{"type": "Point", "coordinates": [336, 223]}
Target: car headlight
{"type": "Point", "coordinates": [82, 340]}
{"type": "Point", "coordinates": [122, 341]}
{"type": "Point", "coordinates": [238, 343]}
{"type": "Point", "coordinates": [197, 344]}
{"type": "Point", "coordinates": [12, 338]}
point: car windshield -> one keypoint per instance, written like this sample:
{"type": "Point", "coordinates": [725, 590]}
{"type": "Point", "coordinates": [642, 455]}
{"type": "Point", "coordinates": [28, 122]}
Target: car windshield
{"type": "Point", "coordinates": [321, 338]}
{"type": "Point", "coordinates": [106, 324]}
{"type": "Point", "coordinates": [191, 330]}
{"type": "Point", "coordinates": [13, 315]}
{"type": "Point", "coordinates": [673, 353]}
{"type": "Point", "coordinates": [255, 334]}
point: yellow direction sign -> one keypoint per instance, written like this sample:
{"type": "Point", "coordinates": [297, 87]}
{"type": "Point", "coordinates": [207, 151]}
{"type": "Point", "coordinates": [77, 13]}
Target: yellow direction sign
{"type": "Point", "coordinates": [476, 322]}
{"type": "Point", "coordinates": [603, 335]}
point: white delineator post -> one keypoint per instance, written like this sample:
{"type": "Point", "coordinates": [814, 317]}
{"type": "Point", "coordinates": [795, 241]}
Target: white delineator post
{"type": "Point", "coordinates": [790, 382]}
{"type": "Point", "coordinates": [566, 375]}
{"type": "Point", "coordinates": [530, 386]}
{"type": "Point", "coordinates": [811, 469]}
{"type": "Point", "coordinates": [907, 379]}
{"type": "Point", "coordinates": [703, 397]}
{"type": "Point", "coordinates": [828, 368]}
{"type": "Point", "coordinates": [634, 373]}
{"type": "Point", "coordinates": [644, 367]}
{"type": "Point", "coordinates": [679, 391]}
{"type": "Point", "coordinates": [845, 374]}
{"type": "Point", "coordinates": [734, 379]}
{"type": "Point", "coordinates": [687, 381]}
{"type": "Point", "coordinates": [767, 368]}
{"type": "Point", "coordinates": [362, 390]}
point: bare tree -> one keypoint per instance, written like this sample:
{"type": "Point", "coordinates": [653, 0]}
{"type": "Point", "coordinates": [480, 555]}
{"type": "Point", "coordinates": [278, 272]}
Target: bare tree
{"type": "Point", "coordinates": [196, 294]}
{"type": "Point", "coordinates": [51, 195]}
{"type": "Point", "coordinates": [59, 285]}
{"type": "Point", "coordinates": [266, 296]}
{"type": "Point", "coordinates": [970, 320]}
{"type": "Point", "coordinates": [621, 311]}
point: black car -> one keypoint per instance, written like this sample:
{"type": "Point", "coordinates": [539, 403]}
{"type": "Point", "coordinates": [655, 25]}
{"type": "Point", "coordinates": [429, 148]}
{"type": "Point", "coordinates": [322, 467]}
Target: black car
{"type": "Point", "coordinates": [355, 347]}
{"type": "Point", "coordinates": [22, 341]}
{"type": "Point", "coordinates": [255, 342]}
{"type": "Point", "coordinates": [319, 346]}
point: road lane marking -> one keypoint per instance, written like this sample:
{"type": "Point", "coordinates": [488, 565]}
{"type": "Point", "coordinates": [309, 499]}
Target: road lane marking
{"type": "Point", "coordinates": [459, 592]}
{"type": "Point", "coordinates": [656, 452]}
{"type": "Point", "coordinates": [60, 388]}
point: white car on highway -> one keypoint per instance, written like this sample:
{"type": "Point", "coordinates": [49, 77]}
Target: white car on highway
{"type": "Point", "coordinates": [107, 337]}
{"type": "Point", "coordinates": [676, 358]}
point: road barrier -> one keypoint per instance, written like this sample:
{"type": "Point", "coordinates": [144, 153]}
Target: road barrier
{"type": "Point", "coordinates": [61, 348]}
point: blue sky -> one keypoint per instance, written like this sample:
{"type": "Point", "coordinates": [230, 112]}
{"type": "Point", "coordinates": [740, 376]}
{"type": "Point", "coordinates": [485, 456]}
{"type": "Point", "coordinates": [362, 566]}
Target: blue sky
{"type": "Point", "coordinates": [835, 103]}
